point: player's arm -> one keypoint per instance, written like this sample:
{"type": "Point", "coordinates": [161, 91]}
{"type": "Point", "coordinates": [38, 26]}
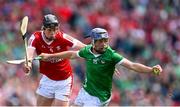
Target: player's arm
{"type": "Point", "coordinates": [63, 55]}
{"type": "Point", "coordinates": [31, 49]}
{"type": "Point", "coordinates": [137, 67]}
{"type": "Point", "coordinates": [77, 43]}
{"type": "Point", "coordinates": [30, 54]}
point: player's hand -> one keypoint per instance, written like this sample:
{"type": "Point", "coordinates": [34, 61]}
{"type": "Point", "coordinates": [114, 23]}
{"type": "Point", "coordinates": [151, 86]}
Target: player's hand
{"type": "Point", "coordinates": [117, 73]}
{"type": "Point", "coordinates": [157, 70]}
{"type": "Point", "coordinates": [44, 56]}
{"type": "Point", "coordinates": [27, 68]}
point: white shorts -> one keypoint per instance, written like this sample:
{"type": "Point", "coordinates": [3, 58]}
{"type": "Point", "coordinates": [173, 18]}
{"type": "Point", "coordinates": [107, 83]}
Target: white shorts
{"type": "Point", "coordinates": [60, 90]}
{"type": "Point", "coordinates": [84, 99]}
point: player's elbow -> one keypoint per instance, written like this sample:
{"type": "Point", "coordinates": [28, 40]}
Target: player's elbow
{"type": "Point", "coordinates": [128, 64]}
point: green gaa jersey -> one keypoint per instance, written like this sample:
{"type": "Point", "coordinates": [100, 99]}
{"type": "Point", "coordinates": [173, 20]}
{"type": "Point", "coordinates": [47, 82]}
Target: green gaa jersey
{"type": "Point", "coordinates": [99, 71]}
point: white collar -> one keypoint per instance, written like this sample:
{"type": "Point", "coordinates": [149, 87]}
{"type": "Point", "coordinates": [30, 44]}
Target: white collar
{"type": "Point", "coordinates": [44, 39]}
{"type": "Point", "coordinates": [96, 55]}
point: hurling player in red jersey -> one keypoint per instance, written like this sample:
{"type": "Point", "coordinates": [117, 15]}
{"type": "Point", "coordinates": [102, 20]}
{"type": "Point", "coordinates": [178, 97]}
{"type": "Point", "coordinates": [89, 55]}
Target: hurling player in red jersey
{"type": "Point", "coordinates": [56, 82]}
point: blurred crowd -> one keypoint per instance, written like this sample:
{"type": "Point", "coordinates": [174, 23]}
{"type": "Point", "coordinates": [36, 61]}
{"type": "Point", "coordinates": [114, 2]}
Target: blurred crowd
{"type": "Point", "coordinates": [144, 31]}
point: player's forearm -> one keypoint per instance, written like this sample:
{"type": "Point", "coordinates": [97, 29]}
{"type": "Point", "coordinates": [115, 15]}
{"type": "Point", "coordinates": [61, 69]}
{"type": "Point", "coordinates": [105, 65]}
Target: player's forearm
{"type": "Point", "coordinates": [64, 55]}
{"type": "Point", "coordinates": [137, 67]}
{"type": "Point", "coordinates": [30, 55]}
{"type": "Point", "coordinates": [141, 68]}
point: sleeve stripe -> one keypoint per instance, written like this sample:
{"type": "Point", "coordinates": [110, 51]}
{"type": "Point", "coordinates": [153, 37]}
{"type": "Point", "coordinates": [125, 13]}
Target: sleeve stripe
{"type": "Point", "coordinates": [31, 39]}
{"type": "Point", "coordinates": [30, 42]}
{"type": "Point", "coordinates": [78, 54]}
{"type": "Point", "coordinates": [74, 43]}
{"type": "Point", "coordinates": [118, 65]}
{"type": "Point", "coordinates": [120, 62]}
{"type": "Point", "coordinates": [64, 36]}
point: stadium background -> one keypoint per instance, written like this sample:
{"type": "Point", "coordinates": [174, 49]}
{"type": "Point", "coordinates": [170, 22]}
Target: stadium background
{"type": "Point", "coordinates": [145, 31]}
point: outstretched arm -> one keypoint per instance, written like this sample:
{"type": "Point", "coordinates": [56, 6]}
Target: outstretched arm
{"type": "Point", "coordinates": [140, 67]}
{"type": "Point", "coordinates": [64, 55]}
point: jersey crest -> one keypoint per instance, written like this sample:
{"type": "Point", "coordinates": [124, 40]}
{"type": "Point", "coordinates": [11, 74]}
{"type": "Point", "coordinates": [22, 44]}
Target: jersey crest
{"type": "Point", "coordinates": [95, 61]}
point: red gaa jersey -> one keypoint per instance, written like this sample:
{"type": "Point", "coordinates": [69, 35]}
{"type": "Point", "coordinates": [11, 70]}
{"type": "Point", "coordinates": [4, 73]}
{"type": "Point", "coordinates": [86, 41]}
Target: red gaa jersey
{"type": "Point", "coordinates": [54, 68]}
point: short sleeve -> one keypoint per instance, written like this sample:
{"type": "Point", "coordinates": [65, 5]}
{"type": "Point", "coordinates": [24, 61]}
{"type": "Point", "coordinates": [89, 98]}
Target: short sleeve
{"type": "Point", "coordinates": [117, 57]}
{"type": "Point", "coordinates": [81, 52]}
{"type": "Point", "coordinates": [32, 42]}
{"type": "Point", "coordinates": [67, 41]}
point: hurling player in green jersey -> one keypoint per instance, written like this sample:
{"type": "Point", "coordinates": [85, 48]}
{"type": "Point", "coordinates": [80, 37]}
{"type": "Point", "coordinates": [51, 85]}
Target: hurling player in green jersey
{"type": "Point", "coordinates": [101, 62]}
